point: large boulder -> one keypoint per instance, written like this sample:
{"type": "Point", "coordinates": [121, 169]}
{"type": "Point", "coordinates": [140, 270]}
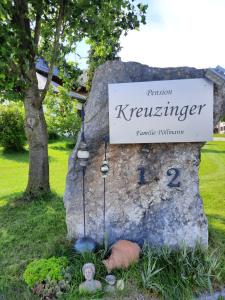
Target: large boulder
{"type": "Point", "coordinates": [152, 212]}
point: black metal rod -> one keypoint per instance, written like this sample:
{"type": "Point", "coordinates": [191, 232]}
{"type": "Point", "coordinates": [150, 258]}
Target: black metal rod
{"type": "Point", "coordinates": [84, 215]}
{"type": "Point", "coordinates": [104, 190]}
{"type": "Point", "coordinates": [82, 118]}
{"type": "Point", "coordinates": [105, 148]}
{"type": "Point", "coordinates": [104, 209]}
{"type": "Point", "coordinates": [83, 172]}
{"type": "Point", "coordinates": [83, 138]}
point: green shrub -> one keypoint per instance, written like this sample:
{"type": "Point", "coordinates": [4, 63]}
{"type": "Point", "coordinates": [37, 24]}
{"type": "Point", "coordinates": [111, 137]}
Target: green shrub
{"type": "Point", "coordinates": [48, 278]}
{"type": "Point", "coordinates": [53, 134]}
{"type": "Point", "coordinates": [12, 134]}
{"type": "Point", "coordinates": [40, 270]}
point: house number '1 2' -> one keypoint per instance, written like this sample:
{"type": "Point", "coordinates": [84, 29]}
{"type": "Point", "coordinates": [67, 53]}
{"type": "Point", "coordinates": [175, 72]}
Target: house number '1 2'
{"type": "Point", "coordinates": [173, 173]}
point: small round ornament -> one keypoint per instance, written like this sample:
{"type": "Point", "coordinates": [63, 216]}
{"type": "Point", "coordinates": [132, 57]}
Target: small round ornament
{"type": "Point", "coordinates": [105, 168]}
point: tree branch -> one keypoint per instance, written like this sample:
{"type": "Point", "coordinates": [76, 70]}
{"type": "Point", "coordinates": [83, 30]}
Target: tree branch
{"type": "Point", "coordinates": [23, 23]}
{"type": "Point", "coordinates": [37, 28]}
{"type": "Point", "coordinates": [55, 50]}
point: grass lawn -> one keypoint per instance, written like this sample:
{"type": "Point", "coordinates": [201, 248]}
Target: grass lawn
{"type": "Point", "coordinates": [30, 230]}
{"type": "Point", "coordinates": [212, 188]}
{"type": "Point", "coordinates": [38, 230]}
{"type": "Point", "coordinates": [222, 135]}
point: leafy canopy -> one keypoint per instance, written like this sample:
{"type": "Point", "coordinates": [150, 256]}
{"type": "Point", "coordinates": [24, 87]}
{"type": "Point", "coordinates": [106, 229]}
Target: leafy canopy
{"type": "Point", "coordinates": [51, 29]}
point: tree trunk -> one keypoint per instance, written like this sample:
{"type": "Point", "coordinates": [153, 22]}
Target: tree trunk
{"type": "Point", "coordinates": [36, 132]}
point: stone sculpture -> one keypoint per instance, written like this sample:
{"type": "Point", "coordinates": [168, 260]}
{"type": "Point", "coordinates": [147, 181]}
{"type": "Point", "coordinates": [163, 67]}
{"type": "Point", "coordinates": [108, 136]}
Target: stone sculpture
{"type": "Point", "coordinates": [90, 285]}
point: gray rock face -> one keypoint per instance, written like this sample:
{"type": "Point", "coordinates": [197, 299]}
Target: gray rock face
{"type": "Point", "coordinates": [152, 212]}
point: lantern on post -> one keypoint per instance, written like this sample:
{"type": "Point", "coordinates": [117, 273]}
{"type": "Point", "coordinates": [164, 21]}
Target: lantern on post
{"type": "Point", "coordinates": [104, 170]}
{"type": "Point", "coordinates": [84, 244]}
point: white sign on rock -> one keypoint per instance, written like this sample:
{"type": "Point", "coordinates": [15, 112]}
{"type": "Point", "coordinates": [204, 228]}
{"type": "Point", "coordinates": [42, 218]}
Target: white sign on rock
{"type": "Point", "coordinates": [161, 111]}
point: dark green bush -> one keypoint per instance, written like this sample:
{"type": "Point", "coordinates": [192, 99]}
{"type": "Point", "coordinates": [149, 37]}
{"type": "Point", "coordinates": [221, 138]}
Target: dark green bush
{"type": "Point", "coordinates": [12, 134]}
{"type": "Point", "coordinates": [52, 132]}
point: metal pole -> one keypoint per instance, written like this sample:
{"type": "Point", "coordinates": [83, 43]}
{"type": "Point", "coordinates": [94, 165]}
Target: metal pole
{"type": "Point", "coordinates": [82, 118]}
{"type": "Point", "coordinates": [84, 215]}
{"type": "Point", "coordinates": [104, 191]}
{"type": "Point", "coordinates": [83, 171]}
{"type": "Point", "coordinates": [104, 209]}
{"type": "Point", "coordinates": [105, 147]}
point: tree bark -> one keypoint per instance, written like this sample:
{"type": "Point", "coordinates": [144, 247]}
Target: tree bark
{"type": "Point", "coordinates": [36, 132]}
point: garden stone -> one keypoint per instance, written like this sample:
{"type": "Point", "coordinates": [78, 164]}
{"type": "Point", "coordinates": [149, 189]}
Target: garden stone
{"type": "Point", "coordinates": [120, 285]}
{"type": "Point", "coordinates": [111, 284]}
{"type": "Point", "coordinates": [151, 212]}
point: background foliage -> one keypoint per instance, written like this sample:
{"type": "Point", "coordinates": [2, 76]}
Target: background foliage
{"type": "Point", "coordinates": [105, 44]}
{"type": "Point", "coordinates": [32, 29]}
{"type": "Point", "coordinates": [12, 134]}
{"type": "Point", "coordinates": [61, 114]}
{"type": "Point", "coordinates": [52, 29]}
